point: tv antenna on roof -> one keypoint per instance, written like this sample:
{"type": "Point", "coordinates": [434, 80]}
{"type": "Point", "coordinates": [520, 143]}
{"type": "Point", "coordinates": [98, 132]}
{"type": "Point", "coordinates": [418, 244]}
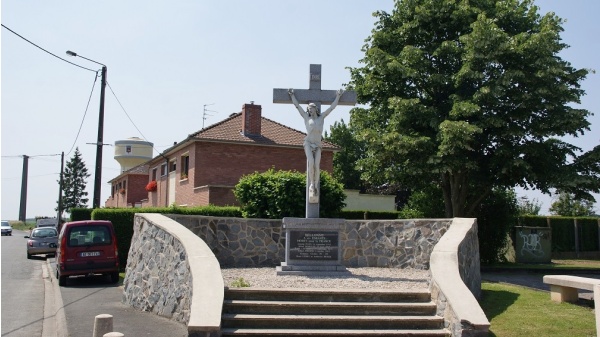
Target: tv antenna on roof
{"type": "Point", "coordinates": [205, 115]}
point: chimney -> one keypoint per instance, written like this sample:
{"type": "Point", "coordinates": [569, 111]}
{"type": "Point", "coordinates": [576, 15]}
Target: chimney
{"type": "Point", "coordinates": [251, 118]}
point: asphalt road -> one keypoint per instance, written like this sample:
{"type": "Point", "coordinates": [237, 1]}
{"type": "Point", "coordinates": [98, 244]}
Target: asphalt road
{"type": "Point", "coordinates": [22, 289]}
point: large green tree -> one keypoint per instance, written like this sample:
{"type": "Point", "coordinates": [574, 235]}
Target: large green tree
{"type": "Point", "coordinates": [344, 161]}
{"type": "Point", "coordinates": [472, 96]}
{"type": "Point", "coordinates": [74, 183]}
{"type": "Point", "coordinates": [566, 204]}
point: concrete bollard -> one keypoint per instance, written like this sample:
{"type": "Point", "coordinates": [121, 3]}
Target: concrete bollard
{"type": "Point", "coordinates": [103, 324]}
{"type": "Point", "coordinates": [113, 334]}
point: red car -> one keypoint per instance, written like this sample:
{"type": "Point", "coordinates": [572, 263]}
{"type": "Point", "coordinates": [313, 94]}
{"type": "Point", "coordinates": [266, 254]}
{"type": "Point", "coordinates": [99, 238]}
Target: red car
{"type": "Point", "coordinates": [85, 248]}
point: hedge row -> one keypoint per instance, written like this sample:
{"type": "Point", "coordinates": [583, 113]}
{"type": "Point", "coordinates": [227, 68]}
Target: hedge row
{"type": "Point", "coordinates": [563, 231]}
{"type": "Point", "coordinates": [122, 219]}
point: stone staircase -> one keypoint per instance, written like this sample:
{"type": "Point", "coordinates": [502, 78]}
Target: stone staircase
{"type": "Point", "coordinates": [329, 312]}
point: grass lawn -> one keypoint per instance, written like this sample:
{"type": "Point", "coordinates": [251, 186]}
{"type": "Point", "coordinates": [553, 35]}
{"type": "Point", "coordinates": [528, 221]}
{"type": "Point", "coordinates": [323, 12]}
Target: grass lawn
{"type": "Point", "coordinates": [518, 311]}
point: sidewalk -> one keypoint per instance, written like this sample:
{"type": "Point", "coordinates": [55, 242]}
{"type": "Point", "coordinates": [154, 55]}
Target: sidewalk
{"type": "Point", "coordinates": [77, 317]}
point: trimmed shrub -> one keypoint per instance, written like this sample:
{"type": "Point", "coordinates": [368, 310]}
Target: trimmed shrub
{"type": "Point", "coordinates": [588, 234]}
{"type": "Point", "coordinates": [278, 194]}
{"type": "Point", "coordinates": [80, 214]}
{"type": "Point", "coordinates": [533, 221]}
{"type": "Point", "coordinates": [122, 220]}
{"type": "Point", "coordinates": [563, 234]}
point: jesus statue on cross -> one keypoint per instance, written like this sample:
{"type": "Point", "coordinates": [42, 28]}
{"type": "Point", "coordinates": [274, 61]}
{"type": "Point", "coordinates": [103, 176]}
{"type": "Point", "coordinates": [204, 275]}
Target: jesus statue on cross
{"type": "Point", "coordinates": [314, 121]}
{"type": "Point", "coordinates": [314, 96]}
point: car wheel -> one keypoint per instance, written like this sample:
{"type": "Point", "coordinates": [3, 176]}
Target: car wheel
{"type": "Point", "coordinates": [62, 280]}
{"type": "Point", "coordinates": [28, 255]}
{"type": "Point", "coordinates": [114, 277]}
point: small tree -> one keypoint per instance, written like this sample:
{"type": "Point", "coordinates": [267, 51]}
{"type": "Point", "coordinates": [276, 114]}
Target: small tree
{"type": "Point", "coordinates": [277, 194]}
{"type": "Point", "coordinates": [528, 207]}
{"type": "Point", "coordinates": [567, 205]}
{"type": "Point", "coordinates": [74, 194]}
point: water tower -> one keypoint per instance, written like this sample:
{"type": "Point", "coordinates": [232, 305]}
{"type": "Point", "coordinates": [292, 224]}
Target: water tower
{"type": "Point", "coordinates": [132, 152]}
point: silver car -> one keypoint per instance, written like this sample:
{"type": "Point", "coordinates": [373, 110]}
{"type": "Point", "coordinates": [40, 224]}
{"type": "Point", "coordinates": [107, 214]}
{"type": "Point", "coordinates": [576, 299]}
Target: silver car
{"type": "Point", "coordinates": [42, 240]}
{"type": "Point", "coordinates": [6, 228]}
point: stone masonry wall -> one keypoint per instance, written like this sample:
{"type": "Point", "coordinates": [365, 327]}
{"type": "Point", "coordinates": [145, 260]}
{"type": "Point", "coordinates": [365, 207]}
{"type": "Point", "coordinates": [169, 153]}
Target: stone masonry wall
{"type": "Point", "coordinates": [365, 243]}
{"type": "Point", "coordinates": [158, 277]}
{"type": "Point", "coordinates": [469, 265]}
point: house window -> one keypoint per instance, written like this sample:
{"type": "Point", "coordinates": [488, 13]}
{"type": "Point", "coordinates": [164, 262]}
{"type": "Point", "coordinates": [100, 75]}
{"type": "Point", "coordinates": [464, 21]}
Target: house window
{"type": "Point", "coordinates": [125, 184]}
{"type": "Point", "coordinates": [163, 170]}
{"type": "Point", "coordinates": [154, 172]}
{"type": "Point", "coordinates": [185, 165]}
{"type": "Point", "coordinates": [172, 166]}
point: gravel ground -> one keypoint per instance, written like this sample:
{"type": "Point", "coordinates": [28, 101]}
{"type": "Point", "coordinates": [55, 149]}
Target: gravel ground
{"type": "Point", "coordinates": [356, 278]}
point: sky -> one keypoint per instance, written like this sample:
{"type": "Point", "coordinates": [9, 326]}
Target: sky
{"type": "Point", "coordinates": [176, 66]}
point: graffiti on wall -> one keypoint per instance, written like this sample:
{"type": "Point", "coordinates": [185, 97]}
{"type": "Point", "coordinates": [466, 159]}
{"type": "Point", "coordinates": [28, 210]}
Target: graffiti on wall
{"type": "Point", "coordinates": [532, 243]}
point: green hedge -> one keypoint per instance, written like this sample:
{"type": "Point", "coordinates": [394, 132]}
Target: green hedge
{"type": "Point", "coordinates": [588, 234]}
{"type": "Point", "coordinates": [563, 231]}
{"type": "Point", "coordinates": [79, 214]}
{"type": "Point", "coordinates": [369, 215]}
{"type": "Point", "coordinates": [533, 221]}
{"type": "Point", "coordinates": [122, 220]}
{"type": "Point", "coordinates": [563, 234]}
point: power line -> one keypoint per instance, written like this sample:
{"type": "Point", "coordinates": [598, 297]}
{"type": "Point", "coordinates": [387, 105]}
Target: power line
{"type": "Point", "coordinates": [37, 155]}
{"type": "Point", "coordinates": [12, 31]}
{"type": "Point", "coordinates": [84, 114]}
{"type": "Point", "coordinates": [126, 114]}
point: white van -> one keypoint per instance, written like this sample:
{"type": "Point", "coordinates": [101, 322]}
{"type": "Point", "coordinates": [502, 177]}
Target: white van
{"type": "Point", "coordinates": [53, 222]}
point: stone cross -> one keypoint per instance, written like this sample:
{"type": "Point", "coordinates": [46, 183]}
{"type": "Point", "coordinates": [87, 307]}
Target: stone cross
{"type": "Point", "coordinates": [315, 95]}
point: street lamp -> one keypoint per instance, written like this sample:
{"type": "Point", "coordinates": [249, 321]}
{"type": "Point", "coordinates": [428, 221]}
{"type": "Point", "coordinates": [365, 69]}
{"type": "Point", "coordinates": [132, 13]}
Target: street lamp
{"type": "Point", "coordinates": [99, 144]}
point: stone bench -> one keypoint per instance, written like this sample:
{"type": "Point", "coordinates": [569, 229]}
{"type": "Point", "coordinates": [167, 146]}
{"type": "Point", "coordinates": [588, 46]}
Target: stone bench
{"type": "Point", "coordinates": [564, 288]}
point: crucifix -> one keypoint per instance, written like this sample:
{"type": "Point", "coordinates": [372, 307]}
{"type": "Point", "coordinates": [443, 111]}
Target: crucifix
{"type": "Point", "coordinates": [313, 119]}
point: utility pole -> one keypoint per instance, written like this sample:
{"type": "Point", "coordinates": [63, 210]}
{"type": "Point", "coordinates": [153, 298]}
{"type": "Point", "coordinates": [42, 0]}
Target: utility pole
{"type": "Point", "coordinates": [60, 188]}
{"type": "Point", "coordinates": [23, 206]}
{"type": "Point", "coordinates": [99, 143]}
{"type": "Point", "coordinates": [98, 174]}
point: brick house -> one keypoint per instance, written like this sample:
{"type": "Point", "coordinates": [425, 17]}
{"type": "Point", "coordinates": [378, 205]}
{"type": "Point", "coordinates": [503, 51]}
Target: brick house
{"type": "Point", "coordinates": [204, 168]}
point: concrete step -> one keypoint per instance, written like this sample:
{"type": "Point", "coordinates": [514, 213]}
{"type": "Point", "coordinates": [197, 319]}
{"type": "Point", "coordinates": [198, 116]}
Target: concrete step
{"type": "Point", "coordinates": [330, 312]}
{"type": "Point", "coordinates": [328, 295]}
{"type": "Point", "coordinates": [328, 333]}
{"type": "Point", "coordinates": [248, 321]}
{"type": "Point", "coordinates": [327, 308]}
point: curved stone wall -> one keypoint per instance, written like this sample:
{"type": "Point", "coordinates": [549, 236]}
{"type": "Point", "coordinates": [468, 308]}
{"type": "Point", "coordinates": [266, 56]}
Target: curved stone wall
{"type": "Point", "coordinates": [173, 274]}
{"type": "Point", "coordinates": [365, 243]}
{"type": "Point", "coordinates": [173, 267]}
{"type": "Point", "coordinates": [456, 280]}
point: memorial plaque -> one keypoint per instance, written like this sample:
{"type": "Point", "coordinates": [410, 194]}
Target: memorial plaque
{"type": "Point", "coordinates": [313, 245]}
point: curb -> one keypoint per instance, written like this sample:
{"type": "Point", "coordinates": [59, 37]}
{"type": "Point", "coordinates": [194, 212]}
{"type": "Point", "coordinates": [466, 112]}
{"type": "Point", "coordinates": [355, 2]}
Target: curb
{"type": "Point", "coordinates": [55, 321]}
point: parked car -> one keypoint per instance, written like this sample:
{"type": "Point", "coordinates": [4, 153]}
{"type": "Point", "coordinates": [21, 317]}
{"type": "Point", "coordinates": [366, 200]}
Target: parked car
{"type": "Point", "coordinates": [85, 248]}
{"type": "Point", "coordinates": [6, 228]}
{"type": "Point", "coordinates": [42, 241]}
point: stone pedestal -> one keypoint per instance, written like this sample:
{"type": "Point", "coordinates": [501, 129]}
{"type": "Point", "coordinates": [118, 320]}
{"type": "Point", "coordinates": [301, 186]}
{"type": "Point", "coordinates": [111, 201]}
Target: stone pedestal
{"type": "Point", "coordinates": [312, 245]}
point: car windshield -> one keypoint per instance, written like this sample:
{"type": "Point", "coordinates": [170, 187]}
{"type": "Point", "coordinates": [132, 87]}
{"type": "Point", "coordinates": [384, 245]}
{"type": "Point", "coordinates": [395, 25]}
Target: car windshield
{"type": "Point", "coordinates": [5, 224]}
{"type": "Point", "coordinates": [44, 233]}
{"type": "Point", "coordinates": [88, 235]}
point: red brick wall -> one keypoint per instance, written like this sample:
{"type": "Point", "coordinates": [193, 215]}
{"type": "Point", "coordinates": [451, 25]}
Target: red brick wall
{"type": "Point", "coordinates": [222, 196]}
{"type": "Point", "coordinates": [224, 164]}
{"type": "Point", "coordinates": [136, 188]}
